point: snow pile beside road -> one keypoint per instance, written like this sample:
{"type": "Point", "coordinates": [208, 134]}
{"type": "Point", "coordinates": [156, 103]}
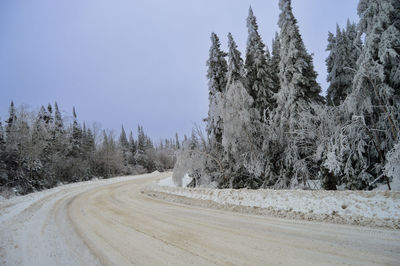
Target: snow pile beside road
{"type": "Point", "coordinates": [371, 208]}
{"type": "Point", "coordinates": [168, 182]}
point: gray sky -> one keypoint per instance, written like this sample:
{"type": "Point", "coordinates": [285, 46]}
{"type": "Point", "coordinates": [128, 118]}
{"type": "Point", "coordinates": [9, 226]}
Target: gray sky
{"type": "Point", "coordinates": [137, 62]}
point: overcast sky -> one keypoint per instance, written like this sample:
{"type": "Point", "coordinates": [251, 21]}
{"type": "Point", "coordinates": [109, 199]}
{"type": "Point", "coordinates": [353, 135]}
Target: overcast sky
{"type": "Point", "coordinates": [137, 62]}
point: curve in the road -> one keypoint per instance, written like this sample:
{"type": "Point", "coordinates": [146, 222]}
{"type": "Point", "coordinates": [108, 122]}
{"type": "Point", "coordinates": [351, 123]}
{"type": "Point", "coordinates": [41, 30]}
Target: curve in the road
{"type": "Point", "coordinates": [115, 224]}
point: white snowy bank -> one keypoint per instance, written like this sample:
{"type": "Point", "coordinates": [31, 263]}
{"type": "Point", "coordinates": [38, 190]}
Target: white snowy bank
{"type": "Point", "coordinates": [168, 182]}
{"type": "Point", "coordinates": [357, 207]}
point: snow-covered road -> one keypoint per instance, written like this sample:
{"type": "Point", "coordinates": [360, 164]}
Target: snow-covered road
{"type": "Point", "coordinates": [111, 222]}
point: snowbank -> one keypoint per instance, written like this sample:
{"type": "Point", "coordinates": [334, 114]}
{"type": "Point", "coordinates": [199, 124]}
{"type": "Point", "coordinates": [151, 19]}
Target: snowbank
{"type": "Point", "coordinates": [371, 208]}
{"type": "Point", "coordinates": [168, 182]}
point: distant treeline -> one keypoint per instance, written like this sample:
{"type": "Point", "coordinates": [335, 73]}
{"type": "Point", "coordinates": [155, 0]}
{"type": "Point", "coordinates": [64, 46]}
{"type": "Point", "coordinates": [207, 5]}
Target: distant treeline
{"type": "Point", "coordinates": [39, 150]}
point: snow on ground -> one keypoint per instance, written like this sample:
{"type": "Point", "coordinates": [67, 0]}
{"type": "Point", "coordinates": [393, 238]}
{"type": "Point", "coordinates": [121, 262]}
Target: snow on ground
{"type": "Point", "coordinates": [38, 223]}
{"type": "Point", "coordinates": [345, 206]}
{"type": "Point", "coordinates": [395, 186]}
{"type": "Point", "coordinates": [16, 204]}
{"type": "Point", "coordinates": [168, 182]}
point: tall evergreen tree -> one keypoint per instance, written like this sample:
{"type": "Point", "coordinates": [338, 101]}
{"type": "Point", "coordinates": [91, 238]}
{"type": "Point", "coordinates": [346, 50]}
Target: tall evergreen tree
{"type": "Point", "coordinates": [38, 152]}
{"type": "Point", "coordinates": [240, 119]}
{"type": "Point", "coordinates": [376, 90]}
{"type": "Point", "coordinates": [275, 60]}
{"type": "Point", "coordinates": [132, 149]}
{"type": "Point", "coordinates": [295, 118]}
{"type": "Point", "coordinates": [59, 141]}
{"type": "Point", "coordinates": [123, 140]}
{"type": "Point", "coordinates": [216, 74]}
{"type": "Point", "coordinates": [48, 117]}
{"type": "Point", "coordinates": [124, 146]}
{"type": "Point", "coordinates": [141, 142]}
{"type": "Point", "coordinates": [3, 170]}
{"type": "Point", "coordinates": [76, 137]}
{"type": "Point", "coordinates": [88, 142]}
{"type": "Point", "coordinates": [194, 143]}
{"type": "Point", "coordinates": [2, 138]}
{"type": "Point", "coordinates": [344, 48]}
{"type": "Point", "coordinates": [235, 62]}
{"type": "Point", "coordinates": [12, 119]}
{"type": "Point", "coordinates": [373, 115]}
{"type": "Point", "coordinates": [58, 121]}
{"type": "Point", "coordinates": [258, 72]}
{"type": "Point", "coordinates": [177, 142]}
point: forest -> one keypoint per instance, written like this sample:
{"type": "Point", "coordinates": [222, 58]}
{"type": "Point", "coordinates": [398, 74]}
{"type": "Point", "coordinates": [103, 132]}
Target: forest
{"type": "Point", "coordinates": [40, 150]}
{"type": "Point", "coordinates": [268, 125]}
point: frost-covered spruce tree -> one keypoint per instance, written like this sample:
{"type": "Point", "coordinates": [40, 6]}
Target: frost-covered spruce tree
{"type": "Point", "coordinates": [275, 59]}
{"type": "Point", "coordinates": [392, 166]}
{"type": "Point", "coordinates": [60, 142]}
{"type": "Point", "coordinates": [216, 74]}
{"type": "Point", "coordinates": [78, 168]}
{"type": "Point", "coordinates": [18, 142]}
{"type": "Point", "coordinates": [58, 121]}
{"type": "Point", "coordinates": [376, 92]}
{"type": "Point", "coordinates": [258, 71]}
{"type": "Point", "coordinates": [177, 142]}
{"type": "Point", "coordinates": [76, 137]}
{"type": "Point", "coordinates": [344, 49]}
{"type": "Point", "coordinates": [88, 142]}
{"type": "Point", "coordinates": [124, 146]}
{"type": "Point", "coordinates": [132, 149]}
{"type": "Point", "coordinates": [123, 140]}
{"type": "Point", "coordinates": [235, 62]}
{"type": "Point", "coordinates": [374, 103]}
{"type": "Point", "coordinates": [12, 120]}
{"type": "Point", "coordinates": [38, 159]}
{"type": "Point", "coordinates": [3, 171]}
{"type": "Point", "coordinates": [49, 118]}
{"type": "Point", "coordinates": [237, 134]}
{"type": "Point", "coordinates": [294, 120]}
{"type": "Point", "coordinates": [12, 147]}
{"type": "Point", "coordinates": [239, 118]}
{"type": "Point", "coordinates": [193, 142]}
{"type": "Point", "coordinates": [141, 142]}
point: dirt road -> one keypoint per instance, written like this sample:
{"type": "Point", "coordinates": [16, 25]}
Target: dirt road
{"type": "Point", "coordinates": [115, 224]}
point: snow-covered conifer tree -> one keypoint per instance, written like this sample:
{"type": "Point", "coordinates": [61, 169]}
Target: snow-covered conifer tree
{"type": "Point", "coordinates": [239, 118]}
{"type": "Point", "coordinates": [123, 140]}
{"type": "Point", "coordinates": [235, 62]}
{"type": "Point", "coordinates": [88, 142]}
{"type": "Point", "coordinates": [59, 141]}
{"type": "Point", "coordinates": [216, 74]}
{"type": "Point", "coordinates": [258, 70]}
{"type": "Point", "coordinates": [275, 59]}
{"type": "Point", "coordinates": [12, 119]}
{"type": "Point", "coordinates": [58, 121]}
{"type": "Point", "coordinates": [392, 166]}
{"type": "Point", "coordinates": [375, 98]}
{"type": "Point", "coordinates": [141, 142]}
{"type": "Point", "coordinates": [193, 143]}
{"type": "Point", "coordinates": [294, 120]}
{"type": "Point", "coordinates": [177, 142]}
{"type": "Point", "coordinates": [76, 137]}
{"type": "Point", "coordinates": [376, 92]}
{"type": "Point", "coordinates": [132, 149]}
{"type": "Point", "coordinates": [344, 48]}
{"type": "Point", "coordinates": [124, 146]}
{"type": "Point", "coordinates": [3, 170]}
